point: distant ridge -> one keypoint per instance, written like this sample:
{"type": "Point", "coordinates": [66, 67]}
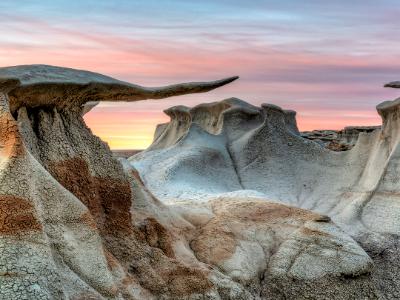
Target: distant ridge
{"type": "Point", "coordinates": [125, 153]}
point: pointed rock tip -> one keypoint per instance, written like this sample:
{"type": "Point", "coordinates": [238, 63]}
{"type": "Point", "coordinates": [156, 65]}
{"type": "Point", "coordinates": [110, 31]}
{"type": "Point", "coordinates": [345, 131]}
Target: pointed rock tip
{"type": "Point", "coordinates": [225, 81]}
{"type": "Point", "coordinates": [233, 78]}
{"type": "Point", "coordinates": [393, 84]}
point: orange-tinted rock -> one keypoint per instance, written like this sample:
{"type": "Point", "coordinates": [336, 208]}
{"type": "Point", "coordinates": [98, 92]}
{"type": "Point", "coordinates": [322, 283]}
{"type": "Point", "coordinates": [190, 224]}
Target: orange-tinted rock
{"type": "Point", "coordinates": [17, 216]}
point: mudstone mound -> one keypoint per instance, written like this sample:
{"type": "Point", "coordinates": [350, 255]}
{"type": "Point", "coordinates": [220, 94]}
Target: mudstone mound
{"type": "Point", "coordinates": [229, 202]}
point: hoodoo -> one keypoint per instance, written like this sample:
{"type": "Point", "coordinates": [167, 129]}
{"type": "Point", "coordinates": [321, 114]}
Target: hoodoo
{"type": "Point", "coordinates": [69, 227]}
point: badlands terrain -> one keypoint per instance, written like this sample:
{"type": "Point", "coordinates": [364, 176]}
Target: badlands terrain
{"type": "Point", "coordinates": [230, 201]}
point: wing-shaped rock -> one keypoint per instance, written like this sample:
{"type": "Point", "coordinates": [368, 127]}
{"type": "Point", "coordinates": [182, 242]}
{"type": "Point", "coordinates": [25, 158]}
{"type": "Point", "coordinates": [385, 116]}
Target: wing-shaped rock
{"type": "Point", "coordinates": [43, 85]}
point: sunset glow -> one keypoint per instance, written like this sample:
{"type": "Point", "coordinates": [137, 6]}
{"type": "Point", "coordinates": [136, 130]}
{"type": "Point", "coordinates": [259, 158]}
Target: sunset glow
{"type": "Point", "coordinates": [326, 60]}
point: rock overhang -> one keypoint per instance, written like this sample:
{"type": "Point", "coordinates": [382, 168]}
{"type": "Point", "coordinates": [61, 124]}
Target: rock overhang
{"type": "Point", "coordinates": [45, 85]}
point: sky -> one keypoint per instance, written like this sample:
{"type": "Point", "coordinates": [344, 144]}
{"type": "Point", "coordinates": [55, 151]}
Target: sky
{"type": "Point", "coordinates": [328, 60]}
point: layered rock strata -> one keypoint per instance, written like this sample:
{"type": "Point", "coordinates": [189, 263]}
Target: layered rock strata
{"type": "Point", "coordinates": [338, 140]}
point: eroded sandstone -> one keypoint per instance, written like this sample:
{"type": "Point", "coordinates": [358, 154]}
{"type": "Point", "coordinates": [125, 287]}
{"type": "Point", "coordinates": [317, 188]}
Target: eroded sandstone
{"type": "Point", "coordinates": [230, 202]}
{"type": "Point", "coordinates": [247, 151]}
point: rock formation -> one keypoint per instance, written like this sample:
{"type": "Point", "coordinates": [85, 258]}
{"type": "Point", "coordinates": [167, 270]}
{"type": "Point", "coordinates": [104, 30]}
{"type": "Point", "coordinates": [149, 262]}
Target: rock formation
{"type": "Point", "coordinates": [70, 229]}
{"type": "Point", "coordinates": [229, 202]}
{"type": "Point", "coordinates": [230, 150]}
{"type": "Point", "coordinates": [338, 140]}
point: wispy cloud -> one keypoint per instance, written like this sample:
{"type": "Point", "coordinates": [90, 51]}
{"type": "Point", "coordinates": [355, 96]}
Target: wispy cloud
{"type": "Point", "coordinates": [326, 59]}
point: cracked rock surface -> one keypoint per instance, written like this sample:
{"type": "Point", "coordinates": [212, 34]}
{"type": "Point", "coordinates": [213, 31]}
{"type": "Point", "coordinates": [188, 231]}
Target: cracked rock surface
{"type": "Point", "coordinates": [229, 202]}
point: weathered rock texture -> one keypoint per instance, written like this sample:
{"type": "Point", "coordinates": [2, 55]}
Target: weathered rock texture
{"type": "Point", "coordinates": [75, 223]}
{"type": "Point", "coordinates": [221, 156]}
{"type": "Point", "coordinates": [248, 207]}
{"type": "Point", "coordinates": [338, 140]}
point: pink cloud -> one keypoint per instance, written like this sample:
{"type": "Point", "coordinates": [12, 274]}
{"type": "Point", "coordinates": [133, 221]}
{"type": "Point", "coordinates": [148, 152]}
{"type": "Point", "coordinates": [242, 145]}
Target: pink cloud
{"type": "Point", "coordinates": [318, 85]}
